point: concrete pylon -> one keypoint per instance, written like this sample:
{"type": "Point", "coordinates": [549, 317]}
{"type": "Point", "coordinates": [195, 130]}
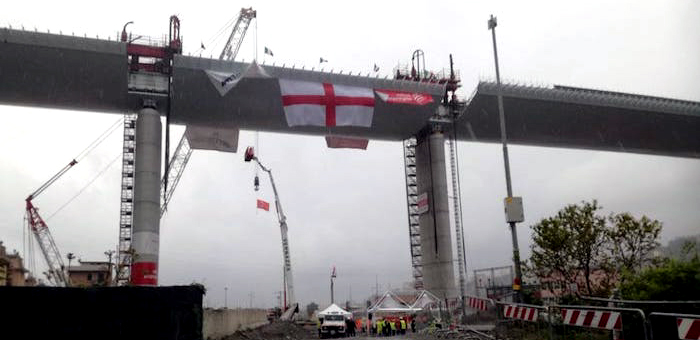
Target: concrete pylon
{"type": "Point", "coordinates": [436, 240]}
{"type": "Point", "coordinates": [147, 176]}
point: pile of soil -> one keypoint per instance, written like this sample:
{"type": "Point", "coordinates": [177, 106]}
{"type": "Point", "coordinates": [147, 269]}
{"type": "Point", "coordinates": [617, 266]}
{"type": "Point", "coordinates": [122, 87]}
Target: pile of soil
{"type": "Point", "coordinates": [278, 330]}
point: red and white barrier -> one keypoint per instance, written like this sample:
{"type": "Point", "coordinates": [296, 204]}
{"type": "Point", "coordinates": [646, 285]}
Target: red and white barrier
{"type": "Point", "coordinates": [477, 303]}
{"type": "Point", "coordinates": [688, 328]}
{"type": "Point", "coordinates": [522, 313]}
{"type": "Point", "coordinates": [592, 318]}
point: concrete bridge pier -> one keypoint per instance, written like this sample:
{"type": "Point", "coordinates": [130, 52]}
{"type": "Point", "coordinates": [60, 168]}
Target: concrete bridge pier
{"type": "Point", "coordinates": [435, 234]}
{"type": "Point", "coordinates": [147, 176]}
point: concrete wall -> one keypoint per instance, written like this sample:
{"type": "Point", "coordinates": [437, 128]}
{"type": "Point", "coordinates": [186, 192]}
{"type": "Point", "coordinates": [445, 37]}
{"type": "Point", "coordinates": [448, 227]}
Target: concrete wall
{"type": "Point", "coordinates": [218, 323]}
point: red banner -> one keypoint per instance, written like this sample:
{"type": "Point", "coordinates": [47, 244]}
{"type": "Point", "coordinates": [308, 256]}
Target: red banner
{"type": "Point", "coordinates": [263, 205]}
{"type": "Point", "coordinates": [144, 274]}
{"type": "Point", "coordinates": [337, 142]}
{"type": "Point", "coordinates": [400, 97]}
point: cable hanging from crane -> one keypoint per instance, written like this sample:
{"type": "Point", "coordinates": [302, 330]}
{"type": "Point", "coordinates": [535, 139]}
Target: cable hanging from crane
{"type": "Point", "coordinates": [39, 228]}
{"type": "Point", "coordinates": [102, 172]}
{"type": "Point", "coordinates": [213, 40]}
{"type": "Point", "coordinates": [101, 138]}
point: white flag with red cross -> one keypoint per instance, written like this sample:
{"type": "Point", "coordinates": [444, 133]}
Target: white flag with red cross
{"type": "Point", "coordinates": [323, 104]}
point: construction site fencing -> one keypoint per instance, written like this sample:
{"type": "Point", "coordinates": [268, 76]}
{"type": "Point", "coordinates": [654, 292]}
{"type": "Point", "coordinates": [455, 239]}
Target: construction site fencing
{"type": "Point", "coordinates": [110, 313]}
{"type": "Point", "coordinates": [480, 310]}
{"type": "Point", "coordinates": [593, 322]}
{"type": "Point", "coordinates": [674, 326]}
{"type": "Point", "coordinates": [522, 321]}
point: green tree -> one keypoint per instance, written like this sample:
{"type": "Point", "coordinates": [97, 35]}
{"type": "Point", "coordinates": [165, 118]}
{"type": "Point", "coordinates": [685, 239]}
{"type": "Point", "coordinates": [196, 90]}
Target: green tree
{"type": "Point", "coordinates": [673, 280]}
{"type": "Point", "coordinates": [633, 241]}
{"type": "Point", "coordinates": [570, 244]}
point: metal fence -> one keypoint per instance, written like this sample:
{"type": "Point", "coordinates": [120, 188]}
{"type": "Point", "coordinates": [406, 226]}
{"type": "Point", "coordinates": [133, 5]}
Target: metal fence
{"type": "Point", "coordinates": [674, 326]}
{"type": "Point", "coordinates": [523, 321]}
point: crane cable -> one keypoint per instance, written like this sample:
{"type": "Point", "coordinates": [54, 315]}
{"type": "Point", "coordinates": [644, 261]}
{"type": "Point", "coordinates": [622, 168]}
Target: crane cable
{"type": "Point", "coordinates": [109, 165]}
{"type": "Point", "coordinates": [101, 138]}
{"type": "Point", "coordinates": [213, 40]}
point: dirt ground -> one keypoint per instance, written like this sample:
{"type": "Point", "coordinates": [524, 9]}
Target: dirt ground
{"type": "Point", "coordinates": [279, 330]}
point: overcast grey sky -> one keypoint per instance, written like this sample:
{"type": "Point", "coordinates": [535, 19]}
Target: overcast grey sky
{"type": "Point", "coordinates": [348, 208]}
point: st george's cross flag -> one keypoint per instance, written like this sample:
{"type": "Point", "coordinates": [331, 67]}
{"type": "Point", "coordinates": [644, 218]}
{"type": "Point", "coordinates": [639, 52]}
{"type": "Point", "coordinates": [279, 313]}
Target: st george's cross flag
{"type": "Point", "coordinates": [324, 104]}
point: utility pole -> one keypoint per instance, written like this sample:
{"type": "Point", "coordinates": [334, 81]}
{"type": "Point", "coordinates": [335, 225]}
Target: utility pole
{"type": "Point", "coordinates": [510, 201]}
{"type": "Point", "coordinates": [332, 277]}
{"type": "Point", "coordinates": [225, 297]}
{"type": "Point", "coordinates": [70, 257]}
{"type": "Point", "coordinates": [376, 286]}
{"type": "Point", "coordinates": [250, 296]}
{"type": "Point", "coordinates": [109, 254]}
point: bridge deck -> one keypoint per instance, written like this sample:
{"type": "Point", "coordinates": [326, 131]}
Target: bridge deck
{"type": "Point", "coordinates": [569, 117]}
{"type": "Point", "coordinates": [50, 70]}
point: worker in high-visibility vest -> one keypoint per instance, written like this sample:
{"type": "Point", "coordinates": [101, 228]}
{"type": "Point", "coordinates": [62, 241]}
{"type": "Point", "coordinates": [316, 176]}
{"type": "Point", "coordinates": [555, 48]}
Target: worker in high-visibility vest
{"type": "Point", "coordinates": [380, 323]}
{"type": "Point", "coordinates": [392, 324]}
{"type": "Point", "coordinates": [386, 327]}
{"type": "Point", "coordinates": [403, 325]}
{"type": "Point", "coordinates": [319, 321]}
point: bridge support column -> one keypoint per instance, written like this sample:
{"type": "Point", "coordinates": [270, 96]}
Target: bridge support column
{"type": "Point", "coordinates": [436, 240]}
{"type": "Point", "coordinates": [147, 176]}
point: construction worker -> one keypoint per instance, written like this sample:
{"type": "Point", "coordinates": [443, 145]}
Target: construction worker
{"type": "Point", "coordinates": [379, 325]}
{"type": "Point", "coordinates": [403, 325]}
{"type": "Point", "coordinates": [350, 327]}
{"type": "Point", "coordinates": [392, 324]}
{"type": "Point", "coordinates": [386, 328]}
{"type": "Point", "coordinates": [413, 324]}
{"type": "Point", "coordinates": [319, 321]}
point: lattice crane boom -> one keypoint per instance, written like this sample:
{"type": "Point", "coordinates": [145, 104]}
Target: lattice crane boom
{"type": "Point", "coordinates": [175, 169]}
{"type": "Point", "coordinates": [233, 44]}
{"type": "Point", "coordinates": [42, 234]}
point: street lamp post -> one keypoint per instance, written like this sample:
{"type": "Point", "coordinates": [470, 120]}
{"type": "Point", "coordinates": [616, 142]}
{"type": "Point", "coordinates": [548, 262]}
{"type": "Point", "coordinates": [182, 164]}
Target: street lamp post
{"type": "Point", "coordinates": [109, 254]}
{"type": "Point", "coordinates": [225, 297]}
{"type": "Point", "coordinates": [502, 120]}
{"type": "Point", "coordinates": [70, 257]}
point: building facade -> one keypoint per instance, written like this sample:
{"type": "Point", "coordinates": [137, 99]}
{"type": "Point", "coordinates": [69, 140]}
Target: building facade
{"type": "Point", "coordinates": [12, 271]}
{"type": "Point", "coordinates": [90, 273]}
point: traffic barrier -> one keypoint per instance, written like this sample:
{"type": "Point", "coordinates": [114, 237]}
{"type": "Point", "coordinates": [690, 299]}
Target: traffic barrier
{"type": "Point", "coordinates": [688, 328]}
{"type": "Point", "coordinates": [674, 326]}
{"type": "Point", "coordinates": [592, 318]}
{"type": "Point", "coordinates": [621, 323]}
{"type": "Point", "coordinates": [520, 312]}
{"type": "Point", "coordinates": [479, 303]}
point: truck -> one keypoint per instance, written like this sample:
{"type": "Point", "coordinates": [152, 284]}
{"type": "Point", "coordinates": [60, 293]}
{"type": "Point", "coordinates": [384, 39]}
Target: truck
{"type": "Point", "coordinates": [333, 325]}
{"type": "Point", "coordinates": [332, 322]}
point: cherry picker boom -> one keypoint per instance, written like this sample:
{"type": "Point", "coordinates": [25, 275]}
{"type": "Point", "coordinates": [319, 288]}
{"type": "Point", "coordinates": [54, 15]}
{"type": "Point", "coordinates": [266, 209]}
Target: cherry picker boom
{"type": "Point", "coordinates": [288, 279]}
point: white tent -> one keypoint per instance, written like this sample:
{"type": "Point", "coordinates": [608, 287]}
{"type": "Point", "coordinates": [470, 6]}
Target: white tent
{"type": "Point", "coordinates": [333, 309]}
{"type": "Point", "coordinates": [426, 300]}
{"type": "Point", "coordinates": [390, 303]}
